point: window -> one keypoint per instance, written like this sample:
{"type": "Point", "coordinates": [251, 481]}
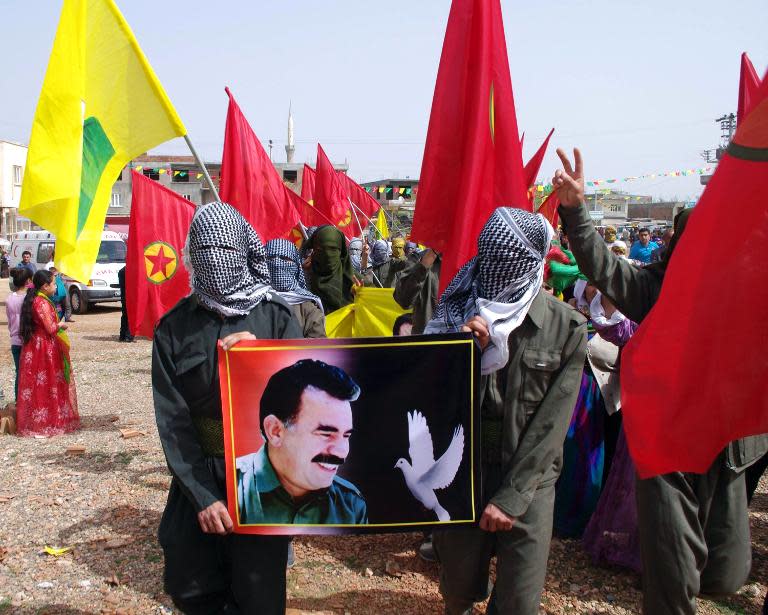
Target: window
{"type": "Point", "coordinates": [617, 207]}
{"type": "Point", "coordinates": [17, 175]}
{"type": "Point", "coordinates": [151, 173]}
{"type": "Point", "coordinates": [187, 196]}
{"type": "Point", "coordinates": [111, 252]}
{"type": "Point", "coordinates": [180, 176]}
{"type": "Point", "coordinates": [45, 252]}
{"type": "Point", "coordinates": [290, 176]}
{"type": "Point", "coordinates": [115, 200]}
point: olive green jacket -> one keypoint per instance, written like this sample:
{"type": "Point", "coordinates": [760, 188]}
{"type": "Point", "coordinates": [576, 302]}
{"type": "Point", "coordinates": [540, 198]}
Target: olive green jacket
{"type": "Point", "coordinates": [417, 288]}
{"type": "Point", "coordinates": [634, 291]}
{"type": "Point", "coordinates": [536, 393]}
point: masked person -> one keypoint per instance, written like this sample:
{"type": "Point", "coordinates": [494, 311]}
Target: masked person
{"type": "Point", "coordinates": [208, 569]}
{"type": "Point", "coordinates": [356, 254]}
{"type": "Point", "coordinates": [332, 275]}
{"type": "Point", "coordinates": [694, 528]}
{"type": "Point", "coordinates": [533, 354]}
{"type": "Point", "coordinates": [287, 278]}
{"type": "Point", "coordinates": [417, 285]}
{"type": "Point", "coordinates": [383, 270]}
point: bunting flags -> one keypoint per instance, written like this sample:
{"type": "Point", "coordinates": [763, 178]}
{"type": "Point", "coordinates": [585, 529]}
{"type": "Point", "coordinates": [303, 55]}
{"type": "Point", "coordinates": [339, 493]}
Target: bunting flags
{"type": "Point", "coordinates": [250, 182]}
{"type": "Point", "coordinates": [155, 277]}
{"type": "Point", "coordinates": [472, 159]}
{"type": "Point", "coordinates": [101, 105]}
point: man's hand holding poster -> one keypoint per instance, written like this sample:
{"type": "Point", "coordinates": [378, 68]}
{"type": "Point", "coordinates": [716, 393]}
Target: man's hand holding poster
{"type": "Point", "coordinates": [332, 436]}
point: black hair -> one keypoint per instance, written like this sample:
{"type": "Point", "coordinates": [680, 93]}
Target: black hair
{"type": "Point", "coordinates": [643, 229]}
{"type": "Point", "coordinates": [403, 319]}
{"type": "Point", "coordinates": [283, 393]}
{"type": "Point", "coordinates": [26, 252]}
{"type": "Point", "coordinates": [27, 325]}
{"type": "Point", "coordinates": [20, 276]}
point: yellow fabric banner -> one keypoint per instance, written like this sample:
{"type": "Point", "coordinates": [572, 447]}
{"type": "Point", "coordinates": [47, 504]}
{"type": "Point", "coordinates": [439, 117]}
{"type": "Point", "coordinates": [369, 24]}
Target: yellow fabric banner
{"type": "Point", "coordinates": [382, 228]}
{"type": "Point", "coordinates": [101, 105]}
{"type": "Point", "coordinates": [372, 314]}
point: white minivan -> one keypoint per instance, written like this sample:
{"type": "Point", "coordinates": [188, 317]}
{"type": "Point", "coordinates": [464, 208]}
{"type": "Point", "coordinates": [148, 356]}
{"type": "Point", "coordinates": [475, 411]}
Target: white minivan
{"type": "Point", "coordinates": [103, 285]}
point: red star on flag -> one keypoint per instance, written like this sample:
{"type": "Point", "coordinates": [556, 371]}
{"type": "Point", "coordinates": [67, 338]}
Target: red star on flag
{"type": "Point", "coordinates": [159, 262]}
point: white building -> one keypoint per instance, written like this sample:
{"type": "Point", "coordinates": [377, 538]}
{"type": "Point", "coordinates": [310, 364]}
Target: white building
{"type": "Point", "coordinates": [13, 158]}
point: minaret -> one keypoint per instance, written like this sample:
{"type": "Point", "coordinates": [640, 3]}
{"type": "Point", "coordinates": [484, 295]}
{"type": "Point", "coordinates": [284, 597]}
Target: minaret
{"type": "Point", "coordinates": [291, 147]}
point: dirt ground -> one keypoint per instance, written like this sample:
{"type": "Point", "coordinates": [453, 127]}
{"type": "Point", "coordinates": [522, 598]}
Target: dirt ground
{"type": "Point", "coordinates": [105, 505]}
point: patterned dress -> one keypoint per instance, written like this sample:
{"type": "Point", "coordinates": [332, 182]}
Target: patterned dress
{"type": "Point", "coordinates": [47, 403]}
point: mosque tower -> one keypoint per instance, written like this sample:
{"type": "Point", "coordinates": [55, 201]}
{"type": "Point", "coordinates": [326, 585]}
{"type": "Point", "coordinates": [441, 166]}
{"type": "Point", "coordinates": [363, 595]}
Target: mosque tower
{"type": "Point", "coordinates": [291, 147]}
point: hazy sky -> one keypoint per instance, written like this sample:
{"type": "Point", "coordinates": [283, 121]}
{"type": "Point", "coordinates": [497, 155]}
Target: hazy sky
{"type": "Point", "coordinates": [636, 84]}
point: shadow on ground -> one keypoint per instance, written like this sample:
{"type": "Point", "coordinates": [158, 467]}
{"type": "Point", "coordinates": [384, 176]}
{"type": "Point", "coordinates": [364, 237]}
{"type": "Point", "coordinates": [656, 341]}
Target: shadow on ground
{"type": "Point", "coordinates": [129, 552]}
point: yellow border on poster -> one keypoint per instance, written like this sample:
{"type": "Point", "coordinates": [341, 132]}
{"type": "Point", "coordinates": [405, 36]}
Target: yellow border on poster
{"type": "Point", "coordinates": [469, 341]}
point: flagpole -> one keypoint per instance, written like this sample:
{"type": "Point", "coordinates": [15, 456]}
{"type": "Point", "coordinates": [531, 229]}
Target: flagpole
{"type": "Point", "coordinates": [201, 164]}
{"type": "Point", "coordinates": [362, 213]}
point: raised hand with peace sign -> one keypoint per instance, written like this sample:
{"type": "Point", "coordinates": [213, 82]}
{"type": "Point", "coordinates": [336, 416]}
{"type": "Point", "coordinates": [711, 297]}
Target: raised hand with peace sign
{"type": "Point", "coordinates": [568, 182]}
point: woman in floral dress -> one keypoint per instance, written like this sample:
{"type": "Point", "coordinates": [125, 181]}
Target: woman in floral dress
{"type": "Point", "coordinates": [47, 402]}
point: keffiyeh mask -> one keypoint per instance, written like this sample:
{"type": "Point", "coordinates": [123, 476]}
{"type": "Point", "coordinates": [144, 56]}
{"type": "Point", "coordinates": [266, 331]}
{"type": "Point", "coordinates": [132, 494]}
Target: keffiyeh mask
{"type": "Point", "coordinates": [500, 283]}
{"type": "Point", "coordinates": [226, 261]}
{"type": "Point", "coordinates": [286, 274]}
{"type": "Point", "coordinates": [379, 253]}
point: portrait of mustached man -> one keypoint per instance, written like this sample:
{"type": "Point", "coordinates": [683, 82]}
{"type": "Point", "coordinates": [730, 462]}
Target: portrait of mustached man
{"type": "Point", "coordinates": [305, 416]}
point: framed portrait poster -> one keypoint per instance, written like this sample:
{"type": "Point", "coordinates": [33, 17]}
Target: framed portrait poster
{"type": "Point", "coordinates": [329, 436]}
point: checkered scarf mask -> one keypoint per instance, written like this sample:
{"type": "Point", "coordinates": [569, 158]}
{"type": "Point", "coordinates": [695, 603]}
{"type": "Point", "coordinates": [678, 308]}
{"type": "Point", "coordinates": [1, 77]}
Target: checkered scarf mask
{"type": "Point", "coordinates": [286, 273]}
{"type": "Point", "coordinates": [226, 260]}
{"type": "Point", "coordinates": [509, 264]}
{"type": "Point", "coordinates": [356, 253]}
{"type": "Point", "coordinates": [379, 253]}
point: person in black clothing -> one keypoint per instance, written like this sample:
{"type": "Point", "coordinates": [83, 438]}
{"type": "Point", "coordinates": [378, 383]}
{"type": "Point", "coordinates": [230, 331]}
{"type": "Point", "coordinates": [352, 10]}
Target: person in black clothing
{"type": "Point", "coordinates": [207, 568]}
{"type": "Point", "coordinates": [125, 332]}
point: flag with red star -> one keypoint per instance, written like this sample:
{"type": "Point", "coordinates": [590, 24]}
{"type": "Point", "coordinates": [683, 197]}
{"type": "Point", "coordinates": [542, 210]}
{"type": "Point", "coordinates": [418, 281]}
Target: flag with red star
{"type": "Point", "coordinates": [155, 276]}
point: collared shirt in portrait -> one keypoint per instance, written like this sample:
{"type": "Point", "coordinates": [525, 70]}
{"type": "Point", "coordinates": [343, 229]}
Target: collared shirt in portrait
{"type": "Point", "coordinates": [262, 499]}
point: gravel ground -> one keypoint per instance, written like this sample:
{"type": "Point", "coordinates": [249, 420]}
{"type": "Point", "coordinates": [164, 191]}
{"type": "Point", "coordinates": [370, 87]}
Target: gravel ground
{"type": "Point", "coordinates": [105, 506]}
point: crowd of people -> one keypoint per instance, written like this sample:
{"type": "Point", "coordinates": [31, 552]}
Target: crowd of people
{"type": "Point", "coordinates": [550, 311]}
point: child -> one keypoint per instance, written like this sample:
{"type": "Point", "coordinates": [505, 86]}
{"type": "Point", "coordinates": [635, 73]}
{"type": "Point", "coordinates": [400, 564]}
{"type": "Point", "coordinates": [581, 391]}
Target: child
{"type": "Point", "coordinates": [20, 278]}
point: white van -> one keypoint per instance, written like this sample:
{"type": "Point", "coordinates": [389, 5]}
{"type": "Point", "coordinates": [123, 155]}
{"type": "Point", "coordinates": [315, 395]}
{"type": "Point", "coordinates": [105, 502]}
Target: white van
{"type": "Point", "coordinates": [101, 288]}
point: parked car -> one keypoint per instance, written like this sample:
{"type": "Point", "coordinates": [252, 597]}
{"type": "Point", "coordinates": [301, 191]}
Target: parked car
{"type": "Point", "coordinates": [102, 287]}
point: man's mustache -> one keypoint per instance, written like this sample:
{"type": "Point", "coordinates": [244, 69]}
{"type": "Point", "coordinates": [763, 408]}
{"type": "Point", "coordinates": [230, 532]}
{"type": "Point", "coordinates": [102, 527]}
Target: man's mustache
{"type": "Point", "coordinates": [331, 459]}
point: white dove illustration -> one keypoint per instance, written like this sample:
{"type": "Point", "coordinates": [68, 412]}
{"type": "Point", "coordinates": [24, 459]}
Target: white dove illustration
{"type": "Point", "coordinates": [423, 475]}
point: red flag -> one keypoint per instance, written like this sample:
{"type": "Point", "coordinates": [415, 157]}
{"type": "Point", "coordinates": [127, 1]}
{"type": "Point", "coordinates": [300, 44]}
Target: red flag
{"type": "Point", "coordinates": [249, 181]}
{"type": "Point", "coordinates": [693, 377]}
{"type": "Point", "coordinates": [308, 178]}
{"type": "Point", "coordinates": [472, 160]}
{"type": "Point", "coordinates": [331, 198]}
{"type": "Point", "coordinates": [155, 276]}
{"type": "Point", "coordinates": [749, 83]}
{"type": "Point", "coordinates": [359, 196]}
{"type": "Point", "coordinates": [548, 209]}
{"type": "Point", "coordinates": [534, 164]}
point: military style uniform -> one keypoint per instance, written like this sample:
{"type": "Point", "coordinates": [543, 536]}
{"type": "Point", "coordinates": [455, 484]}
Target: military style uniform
{"type": "Point", "coordinates": [207, 573]}
{"type": "Point", "coordinates": [416, 288]}
{"type": "Point", "coordinates": [694, 528]}
{"type": "Point", "coordinates": [261, 498]}
{"type": "Point", "coordinates": [526, 408]}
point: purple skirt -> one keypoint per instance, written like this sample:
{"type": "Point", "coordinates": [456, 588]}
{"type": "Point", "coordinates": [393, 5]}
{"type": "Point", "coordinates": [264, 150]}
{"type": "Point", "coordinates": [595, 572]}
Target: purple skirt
{"type": "Point", "coordinates": [611, 536]}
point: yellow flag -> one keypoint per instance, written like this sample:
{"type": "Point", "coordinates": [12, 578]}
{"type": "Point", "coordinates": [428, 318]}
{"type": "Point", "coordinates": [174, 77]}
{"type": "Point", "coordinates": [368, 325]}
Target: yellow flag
{"type": "Point", "coordinates": [381, 225]}
{"type": "Point", "coordinates": [373, 314]}
{"type": "Point", "coordinates": [101, 105]}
